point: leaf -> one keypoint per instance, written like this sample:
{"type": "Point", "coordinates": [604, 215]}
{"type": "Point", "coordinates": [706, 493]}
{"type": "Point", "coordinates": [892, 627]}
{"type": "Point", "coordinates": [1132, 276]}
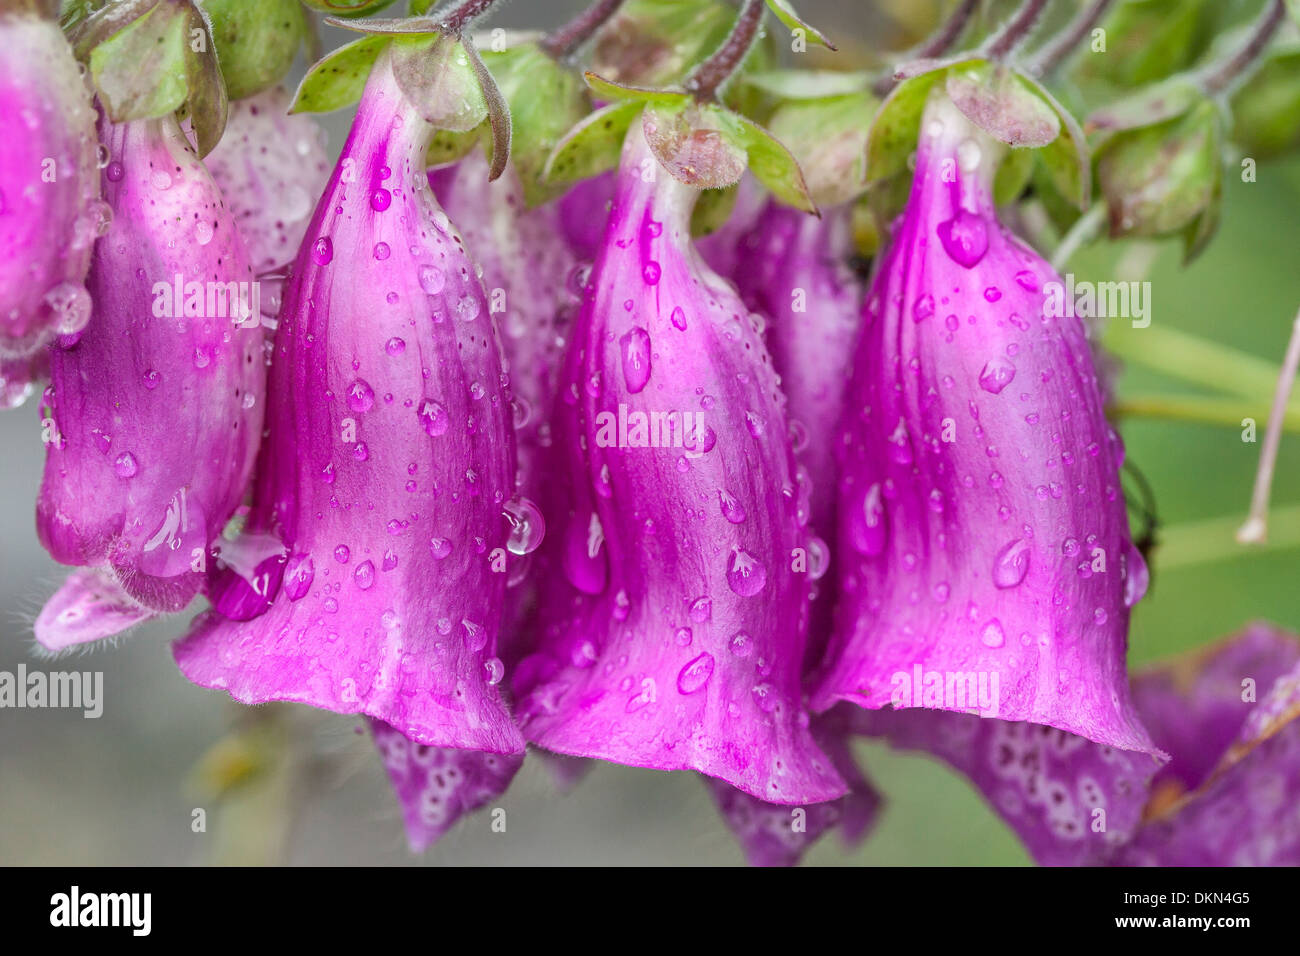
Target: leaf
{"type": "Point", "coordinates": [140, 71]}
{"type": "Point", "coordinates": [829, 139]}
{"type": "Point", "coordinates": [1000, 101]}
{"type": "Point", "coordinates": [337, 80]}
{"type": "Point", "coordinates": [712, 210]}
{"type": "Point", "coordinates": [891, 139]}
{"type": "Point", "coordinates": [773, 165]}
{"type": "Point", "coordinates": [207, 102]}
{"type": "Point", "coordinates": [1163, 101]}
{"type": "Point", "coordinates": [498, 113]}
{"type": "Point", "coordinates": [1012, 175]}
{"type": "Point", "coordinates": [592, 146]}
{"type": "Point", "coordinates": [613, 92]}
{"type": "Point", "coordinates": [808, 84]}
{"type": "Point", "coordinates": [256, 42]}
{"type": "Point", "coordinates": [447, 147]}
{"type": "Point", "coordinates": [793, 22]}
{"type": "Point", "coordinates": [1067, 159]}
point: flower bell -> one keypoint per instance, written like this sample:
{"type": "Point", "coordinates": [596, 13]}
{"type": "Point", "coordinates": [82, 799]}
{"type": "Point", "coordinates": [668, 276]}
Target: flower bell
{"type": "Point", "coordinates": [50, 213]}
{"type": "Point", "coordinates": [154, 413]}
{"type": "Point", "coordinates": [370, 575]}
{"type": "Point", "coordinates": [983, 538]}
{"type": "Point", "coordinates": [674, 597]}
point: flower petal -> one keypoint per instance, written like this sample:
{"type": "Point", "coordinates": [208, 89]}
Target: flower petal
{"type": "Point", "coordinates": [88, 607]}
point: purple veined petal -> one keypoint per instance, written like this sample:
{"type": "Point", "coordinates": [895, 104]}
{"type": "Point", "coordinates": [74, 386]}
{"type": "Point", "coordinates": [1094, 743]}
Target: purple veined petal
{"type": "Point", "coordinates": [50, 213]}
{"type": "Point", "coordinates": [983, 529]}
{"type": "Point", "coordinates": [779, 835]}
{"type": "Point", "coordinates": [672, 638]}
{"type": "Point", "coordinates": [1070, 801]}
{"type": "Point", "coordinates": [271, 167]}
{"type": "Point", "coordinates": [437, 786]}
{"type": "Point", "coordinates": [153, 416]}
{"type": "Point", "coordinates": [88, 607]}
{"type": "Point", "coordinates": [384, 471]}
{"type": "Point", "coordinates": [1239, 705]}
{"type": "Point", "coordinates": [583, 211]}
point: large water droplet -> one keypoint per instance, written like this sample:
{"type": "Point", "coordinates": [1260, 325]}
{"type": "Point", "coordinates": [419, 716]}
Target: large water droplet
{"type": "Point", "coordinates": [432, 279]}
{"type": "Point", "coordinates": [125, 465]}
{"type": "Point", "coordinates": [997, 374]}
{"type": "Point", "coordinates": [731, 509]}
{"type": "Point", "coordinates": [434, 418]}
{"type": "Point", "coordinates": [584, 554]}
{"type": "Point", "coordinates": [1011, 564]}
{"type": "Point", "coordinates": [527, 526]}
{"type": "Point", "coordinates": [361, 397]}
{"type": "Point", "coordinates": [322, 251]}
{"type": "Point", "coordinates": [299, 573]}
{"type": "Point", "coordinates": [867, 524]}
{"type": "Point", "coordinates": [745, 573]}
{"type": "Point", "coordinates": [695, 674]}
{"type": "Point", "coordinates": [965, 238]}
{"type": "Point", "coordinates": [364, 575]}
{"type": "Point", "coordinates": [636, 358]}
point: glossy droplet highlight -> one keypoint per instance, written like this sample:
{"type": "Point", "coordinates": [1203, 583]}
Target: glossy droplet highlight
{"type": "Point", "coordinates": [695, 674]}
{"type": "Point", "coordinates": [636, 358]}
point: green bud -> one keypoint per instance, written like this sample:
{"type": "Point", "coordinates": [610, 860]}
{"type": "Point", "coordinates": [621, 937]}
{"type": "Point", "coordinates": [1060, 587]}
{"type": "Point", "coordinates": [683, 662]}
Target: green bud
{"type": "Point", "coordinates": [256, 42]}
{"type": "Point", "coordinates": [1266, 110]}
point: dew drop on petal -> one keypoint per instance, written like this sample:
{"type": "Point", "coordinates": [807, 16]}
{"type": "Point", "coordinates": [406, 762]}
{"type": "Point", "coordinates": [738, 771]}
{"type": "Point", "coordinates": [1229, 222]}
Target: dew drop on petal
{"type": "Point", "coordinates": [695, 674]}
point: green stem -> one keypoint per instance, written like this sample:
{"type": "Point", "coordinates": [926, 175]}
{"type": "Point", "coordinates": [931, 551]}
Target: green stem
{"type": "Point", "coordinates": [1084, 230]}
{"type": "Point", "coordinates": [1190, 543]}
{"type": "Point", "coordinates": [1192, 359]}
{"type": "Point", "coordinates": [1204, 411]}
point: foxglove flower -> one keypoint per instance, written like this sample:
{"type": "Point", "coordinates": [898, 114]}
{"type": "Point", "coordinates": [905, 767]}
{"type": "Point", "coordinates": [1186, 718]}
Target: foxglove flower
{"type": "Point", "coordinates": [49, 186]}
{"type": "Point", "coordinates": [1226, 797]}
{"type": "Point", "coordinates": [154, 412]}
{"type": "Point", "coordinates": [271, 167]}
{"type": "Point", "coordinates": [983, 530]}
{"type": "Point", "coordinates": [367, 579]}
{"type": "Point", "coordinates": [673, 625]}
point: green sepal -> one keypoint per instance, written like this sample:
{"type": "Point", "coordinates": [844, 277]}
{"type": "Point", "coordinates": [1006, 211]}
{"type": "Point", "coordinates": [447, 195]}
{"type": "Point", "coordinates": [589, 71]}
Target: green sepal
{"type": "Point", "coordinates": [256, 42]}
{"type": "Point", "coordinates": [792, 22]}
{"type": "Point", "coordinates": [592, 146]}
{"type": "Point", "coordinates": [338, 79]}
{"type": "Point", "coordinates": [344, 8]}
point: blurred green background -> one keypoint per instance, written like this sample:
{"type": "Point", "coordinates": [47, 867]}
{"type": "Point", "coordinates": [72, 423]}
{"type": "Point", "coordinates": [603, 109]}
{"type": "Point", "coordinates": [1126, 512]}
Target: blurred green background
{"type": "Point", "coordinates": [121, 789]}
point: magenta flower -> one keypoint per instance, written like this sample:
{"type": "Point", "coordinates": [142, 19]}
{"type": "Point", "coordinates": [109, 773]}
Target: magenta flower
{"type": "Point", "coordinates": [673, 619]}
{"type": "Point", "coordinates": [154, 413]}
{"type": "Point", "coordinates": [983, 532]}
{"type": "Point", "coordinates": [370, 576]}
{"type": "Point", "coordinates": [1227, 797]}
{"type": "Point", "coordinates": [49, 186]}
{"type": "Point", "coordinates": [271, 167]}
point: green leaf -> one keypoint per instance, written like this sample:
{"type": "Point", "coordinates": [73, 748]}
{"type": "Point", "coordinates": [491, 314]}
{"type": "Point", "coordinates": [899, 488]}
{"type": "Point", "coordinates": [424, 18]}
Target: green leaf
{"type": "Point", "coordinates": [207, 103]}
{"type": "Point", "coordinates": [1003, 104]}
{"type": "Point", "coordinates": [337, 80]}
{"type": "Point", "coordinates": [773, 165]}
{"type": "Point", "coordinates": [256, 42]}
{"type": "Point", "coordinates": [448, 147]}
{"type": "Point", "coordinates": [592, 146]}
{"type": "Point", "coordinates": [892, 136]}
{"type": "Point", "coordinates": [1066, 159]}
{"type": "Point", "coordinates": [546, 101]}
{"type": "Point", "coordinates": [1013, 175]}
{"type": "Point", "coordinates": [793, 22]}
{"type": "Point", "coordinates": [618, 92]}
{"type": "Point", "coordinates": [1163, 101]}
{"type": "Point", "coordinates": [808, 84]}
{"type": "Point", "coordinates": [712, 210]}
{"type": "Point", "coordinates": [829, 139]}
{"type": "Point", "coordinates": [1266, 110]}
{"type": "Point", "coordinates": [140, 71]}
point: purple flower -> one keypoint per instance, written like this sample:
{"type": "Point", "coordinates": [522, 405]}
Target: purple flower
{"type": "Point", "coordinates": [674, 607]}
{"type": "Point", "coordinates": [370, 576]}
{"type": "Point", "coordinates": [983, 534]}
{"type": "Point", "coordinates": [1227, 797]}
{"type": "Point", "coordinates": [154, 412]}
{"type": "Point", "coordinates": [49, 187]}
{"type": "Point", "coordinates": [271, 167]}
{"type": "Point", "coordinates": [436, 786]}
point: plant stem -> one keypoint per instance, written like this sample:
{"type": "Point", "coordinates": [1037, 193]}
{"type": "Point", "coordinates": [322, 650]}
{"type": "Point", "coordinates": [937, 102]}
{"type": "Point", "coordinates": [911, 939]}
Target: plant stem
{"type": "Point", "coordinates": [1057, 50]}
{"type": "Point", "coordinates": [937, 44]}
{"type": "Point", "coordinates": [462, 15]}
{"type": "Point", "coordinates": [709, 77]}
{"type": "Point", "coordinates": [1015, 31]}
{"type": "Point", "coordinates": [564, 42]}
{"type": "Point", "coordinates": [1198, 410]}
{"type": "Point", "coordinates": [1084, 230]}
{"type": "Point", "coordinates": [1190, 543]}
{"type": "Point", "coordinates": [1190, 358]}
{"type": "Point", "coordinates": [1255, 530]}
{"type": "Point", "coordinates": [1234, 67]}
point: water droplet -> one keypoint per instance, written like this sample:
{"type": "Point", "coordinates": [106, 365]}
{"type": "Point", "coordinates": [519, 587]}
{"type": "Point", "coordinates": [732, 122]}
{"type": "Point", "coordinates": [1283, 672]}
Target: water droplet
{"type": "Point", "coordinates": [765, 697]}
{"type": "Point", "coordinates": [679, 318]}
{"type": "Point", "coordinates": [364, 575]}
{"type": "Point", "coordinates": [701, 609]}
{"type": "Point", "coordinates": [440, 547]}
{"type": "Point", "coordinates": [395, 346]}
{"type": "Point", "coordinates": [432, 279]}
{"type": "Point", "coordinates": [125, 465]}
{"type": "Point", "coordinates": [361, 397]}
{"type": "Point", "coordinates": [527, 526]}
{"type": "Point", "coordinates": [380, 199]}
{"type": "Point", "coordinates": [342, 554]}
{"type": "Point", "coordinates": [997, 374]}
{"type": "Point", "coordinates": [382, 251]}
{"type": "Point", "coordinates": [204, 231]}
{"type": "Point", "coordinates": [584, 554]}
{"type": "Point", "coordinates": [745, 574]}
{"type": "Point", "coordinates": [434, 418]}
{"type": "Point", "coordinates": [965, 238]}
{"type": "Point", "coordinates": [1011, 564]}
{"type": "Point", "coordinates": [636, 358]}
{"type": "Point", "coordinates": [992, 635]}
{"type": "Point", "coordinates": [322, 251]}
{"type": "Point", "coordinates": [695, 674]}
{"type": "Point", "coordinates": [493, 671]}
{"type": "Point", "coordinates": [299, 573]}
{"type": "Point", "coordinates": [476, 636]}
{"type": "Point", "coordinates": [651, 273]}
{"type": "Point", "coordinates": [868, 526]}
{"type": "Point", "coordinates": [1137, 577]}
{"type": "Point", "coordinates": [732, 509]}
{"type": "Point", "coordinates": [923, 308]}
{"type": "Point", "coordinates": [741, 644]}
{"type": "Point", "coordinates": [819, 558]}
{"type": "Point", "coordinates": [70, 305]}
